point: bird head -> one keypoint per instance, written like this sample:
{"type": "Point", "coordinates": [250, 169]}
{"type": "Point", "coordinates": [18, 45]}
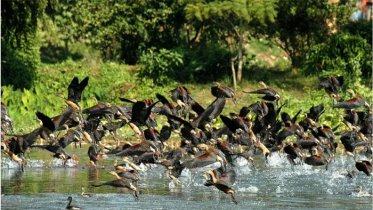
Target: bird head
{"type": "Point", "coordinates": [351, 91]}
{"type": "Point", "coordinates": [263, 84]}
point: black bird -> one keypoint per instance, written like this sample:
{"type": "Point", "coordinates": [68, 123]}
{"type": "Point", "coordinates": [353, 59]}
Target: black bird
{"type": "Point", "coordinates": [122, 183]}
{"type": "Point", "coordinates": [269, 93]}
{"type": "Point", "coordinates": [71, 207]}
{"type": "Point", "coordinates": [75, 89]}
{"type": "Point", "coordinates": [331, 86]}
{"type": "Point", "coordinates": [223, 92]}
{"type": "Point", "coordinates": [364, 166]}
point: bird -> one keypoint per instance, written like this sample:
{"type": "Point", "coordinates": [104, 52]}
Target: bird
{"type": "Point", "coordinates": [362, 193]}
{"type": "Point", "coordinates": [122, 183]}
{"type": "Point", "coordinates": [85, 195]}
{"type": "Point", "coordinates": [139, 149]}
{"type": "Point", "coordinates": [356, 102]}
{"type": "Point", "coordinates": [71, 207]}
{"type": "Point", "coordinates": [316, 159]}
{"type": "Point", "coordinates": [58, 151]}
{"type": "Point", "coordinates": [331, 86]}
{"type": "Point", "coordinates": [223, 92]}
{"type": "Point", "coordinates": [209, 156]}
{"type": "Point", "coordinates": [269, 93]}
{"type": "Point", "coordinates": [93, 153]}
{"type": "Point", "coordinates": [224, 183]}
{"type": "Point", "coordinates": [181, 96]}
{"type": "Point", "coordinates": [75, 89]}
{"type": "Point", "coordinates": [364, 166]}
{"type": "Point", "coordinates": [293, 151]}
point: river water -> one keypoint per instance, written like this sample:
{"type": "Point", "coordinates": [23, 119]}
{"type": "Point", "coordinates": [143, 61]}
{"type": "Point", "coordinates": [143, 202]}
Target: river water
{"type": "Point", "coordinates": [47, 185]}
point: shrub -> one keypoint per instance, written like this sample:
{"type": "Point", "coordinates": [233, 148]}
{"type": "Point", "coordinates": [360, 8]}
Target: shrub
{"type": "Point", "coordinates": [209, 62]}
{"type": "Point", "coordinates": [18, 65]}
{"type": "Point", "coordinates": [343, 54]}
{"type": "Point", "coordinates": [160, 65]}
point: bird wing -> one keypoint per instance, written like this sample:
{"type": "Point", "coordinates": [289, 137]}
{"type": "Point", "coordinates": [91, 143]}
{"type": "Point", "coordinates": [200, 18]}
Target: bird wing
{"type": "Point", "coordinates": [229, 123]}
{"type": "Point", "coordinates": [218, 106]}
{"type": "Point", "coordinates": [79, 90]}
{"type": "Point", "coordinates": [197, 107]}
{"type": "Point", "coordinates": [60, 120]}
{"type": "Point", "coordinates": [200, 161]}
{"type": "Point", "coordinates": [228, 178]}
{"type": "Point", "coordinates": [203, 117]}
{"type": "Point", "coordinates": [348, 104]}
{"type": "Point", "coordinates": [30, 138]}
{"type": "Point", "coordinates": [161, 98]}
{"type": "Point", "coordinates": [47, 122]}
{"type": "Point", "coordinates": [72, 88]}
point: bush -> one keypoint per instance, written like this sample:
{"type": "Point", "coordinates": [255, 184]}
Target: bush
{"type": "Point", "coordinates": [345, 55]}
{"type": "Point", "coordinates": [209, 62]}
{"type": "Point", "coordinates": [18, 65]}
{"type": "Point", "coordinates": [160, 65]}
{"type": "Point", "coordinates": [360, 28]}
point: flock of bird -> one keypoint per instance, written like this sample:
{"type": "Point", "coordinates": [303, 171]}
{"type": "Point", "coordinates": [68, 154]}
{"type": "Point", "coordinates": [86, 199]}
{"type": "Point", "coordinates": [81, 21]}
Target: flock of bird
{"type": "Point", "coordinates": [263, 132]}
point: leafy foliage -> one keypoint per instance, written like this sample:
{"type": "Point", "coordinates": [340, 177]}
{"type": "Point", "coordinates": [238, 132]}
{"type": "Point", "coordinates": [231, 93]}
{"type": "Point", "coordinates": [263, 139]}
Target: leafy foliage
{"type": "Point", "coordinates": [122, 29]}
{"type": "Point", "coordinates": [359, 28]}
{"type": "Point", "coordinates": [19, 52]}
{"type": "Point", "coordinates": [19, 65]}
{"type": "Point", "coordinates": [344, 54]}
{"type": "Point", "coordinates": [206, 63]}
{"type": "Point", "coordinates": [160, 65]}
{"type": "Point", "coordinates": [300, 25]}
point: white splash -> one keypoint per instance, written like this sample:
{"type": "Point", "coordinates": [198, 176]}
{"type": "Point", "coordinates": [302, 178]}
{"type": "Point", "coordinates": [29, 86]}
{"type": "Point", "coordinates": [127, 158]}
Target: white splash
{"type": "Point", "coordinates": [279, 190]}
{"type": "Point", "coordinates": [277, 160]}
{"type": "Point", "coordinates": [250, 189]}
{"type": "Point", "coordinates": [8, 163]}
{"type": "Point", "coordinates": [35, 163]}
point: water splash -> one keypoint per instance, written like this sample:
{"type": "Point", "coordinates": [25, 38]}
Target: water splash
{"type": "Point", "coordinates": [279, 190]}
{"type": "Point", "coordinates": [8, 163]}
{"type": "Point", "coordinates": [250, 189]}
{"type": "Point", "coordinates": [35, 163]}
{"type": "Point", "coordinates": [277, 160]}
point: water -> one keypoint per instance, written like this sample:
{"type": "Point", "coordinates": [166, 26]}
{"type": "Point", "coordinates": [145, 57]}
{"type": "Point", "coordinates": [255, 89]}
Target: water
{"type": "Point", "coordinates": [46, 185]}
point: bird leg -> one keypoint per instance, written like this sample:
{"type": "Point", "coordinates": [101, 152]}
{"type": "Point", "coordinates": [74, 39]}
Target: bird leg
{"type": "Point", "coordinates": [233, 199]}
{"type": "Point", "coordinates": [135, 195]}
{"type": "Point", "coordinates": [174, 179]}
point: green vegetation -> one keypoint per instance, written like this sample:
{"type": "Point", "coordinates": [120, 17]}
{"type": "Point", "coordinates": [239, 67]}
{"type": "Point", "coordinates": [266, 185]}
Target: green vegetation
{"type": "Point", "coordinates": [135, 49]}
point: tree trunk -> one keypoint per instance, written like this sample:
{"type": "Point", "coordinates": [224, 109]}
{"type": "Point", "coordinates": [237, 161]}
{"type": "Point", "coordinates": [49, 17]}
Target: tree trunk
{"type": "Point", "coordinates": [66, 48]}
{"type": "Point", "coordinates": [240, 59]}
{"type": "Point", "coordinates": [234, 74]}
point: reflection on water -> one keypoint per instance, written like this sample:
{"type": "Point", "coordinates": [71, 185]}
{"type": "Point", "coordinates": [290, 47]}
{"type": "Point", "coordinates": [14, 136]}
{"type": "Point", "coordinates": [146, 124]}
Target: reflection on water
{"type": "Point", "coordinates": [277, 186]}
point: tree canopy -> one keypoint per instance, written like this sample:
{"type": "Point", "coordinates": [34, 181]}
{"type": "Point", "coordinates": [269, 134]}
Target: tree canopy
{"type": "Point", "coordinates": [197, 40]}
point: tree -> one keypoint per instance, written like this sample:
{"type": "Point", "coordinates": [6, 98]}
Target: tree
{"type": "Point", "coordinates": [300, 25]}
{"type": "Point", "coordinates": [122, 29]}
{"type": "Point", "coordinates": [64, 24]}
{"type": "Point", "coordinates": [229, 22]}
{"type": "Point", "coordinates": [20, 51]}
